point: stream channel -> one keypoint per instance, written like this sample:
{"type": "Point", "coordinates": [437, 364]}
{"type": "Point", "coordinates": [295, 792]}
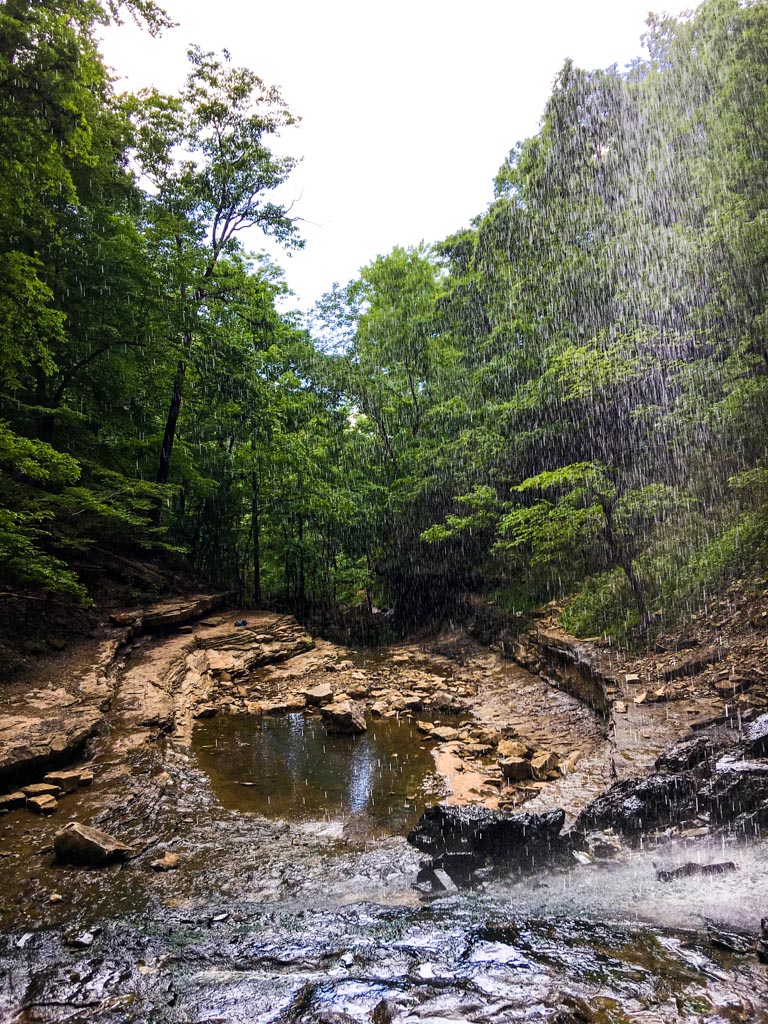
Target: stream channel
{"type": "Point", "coordinates": [297, 897]}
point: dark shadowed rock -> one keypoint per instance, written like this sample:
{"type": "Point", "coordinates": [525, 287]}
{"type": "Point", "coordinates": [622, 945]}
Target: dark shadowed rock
{"type": "Point", "coordinates": [637, 805]}
{"type": "Point", "coordinates": [480, 834]}
{"type": "Point", "coordinates": [81, 844]}
{"type": "Point", "coordinates": [691, 868]}
{"type": "Point", "coordinates": [685, 755]}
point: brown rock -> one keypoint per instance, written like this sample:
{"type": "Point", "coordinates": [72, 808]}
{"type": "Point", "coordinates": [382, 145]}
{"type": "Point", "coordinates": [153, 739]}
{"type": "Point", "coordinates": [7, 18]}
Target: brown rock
{"type": "Point", "coordinates": [425, 727]}
{"type": "Point", "coordinates": [41, 789]}
{"type": "Point", "coordinates": [620, 708]}
{"type": "Point", "coordinates": [43, 804]}
{"type": "Point", "coordinates": [694, 663]}
{"type": "Point", "coordinates": [125, 618]}
{"type": "Point", "coordinates": [81, 844]}
{"type": "Point", "coordinates": [206, 711]}
{"type": "Point", "coordinates": [570, 762]}
{"type": "Point", "coordinates": [168, 862]}
{"type": "Point", "coordinates": [86, 778]}
{"type": "Point", "coordinates": [66, 781]}
{"type": "Point", "coordinates": [516, 769]}
{"type": "Point", "coordinates": [344, 717]}
{"type": "Point", "coordinates": [514, 748]}
{"type": "Point", "coordinates": [321, 694]}
{"type": "Point", "coordinates": [543, 762]}
{"type": "Point", "coordinates": [445, 733]}
{"type": "Point", "coordinates": [9, 801]}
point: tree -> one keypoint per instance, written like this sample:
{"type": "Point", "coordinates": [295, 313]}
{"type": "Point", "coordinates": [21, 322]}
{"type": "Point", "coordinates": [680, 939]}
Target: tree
{"type": "Point", "coordinates": [218, 186]}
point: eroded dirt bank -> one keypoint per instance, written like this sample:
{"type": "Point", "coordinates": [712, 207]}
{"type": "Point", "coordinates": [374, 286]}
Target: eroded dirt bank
{"type": "Point", "coordinates": [270, 920]}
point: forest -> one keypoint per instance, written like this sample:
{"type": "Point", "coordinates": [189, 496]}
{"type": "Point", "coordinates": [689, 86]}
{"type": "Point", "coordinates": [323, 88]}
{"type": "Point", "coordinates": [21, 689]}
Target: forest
{"type": "Point", "coordinates": [566, 400]}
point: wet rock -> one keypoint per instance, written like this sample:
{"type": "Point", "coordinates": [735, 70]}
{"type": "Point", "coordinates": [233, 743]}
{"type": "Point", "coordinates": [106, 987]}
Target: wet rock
{"type": "Point", "coordinates": [41, 789]}
{"type": "Point", "coordinates": [685, 755]}
{"type": "Point", "coordinates": [732, 685]}
{"type": "Point", "coordinates": [516, 769]}
{"type": "Point", "coordinates": [736, 793]}
{"type": "Point", "coordinates": [43, 804]}
{"type": "Point", "coordinates": [514, 748]}
{"type": "Point", "coordinates": [9, 801]}
{"type": "Point", "coordinates": [516, 839]}
{"type": "Point", "coordinates": [543, 762]}
{"type": "Point", "coordinates": [123, 619]}
{"type": "Point", "coordinates": [694, 663]}
{"type": "Point", "coordinates": [321, 694]}
{"type": "Point", "coordinates": [83, 940]}
{"type": "Point", "coordinates": [206, 711]}
{"type": "Point", "coordinates": [445, 733]}
{"type": "Point", "coordinates": [446, 702]}
{"type": "Point", "coordinates": [734, 942]}
{"type": "Point", "coordinates": [384, 1012]}
{"type": "Point", "coordinates": [691, 868]}
{"type": "Point", "coordinates": [344, 717]}
{"type": "Point", "coordinates": [756, 735]}
{"type": "Point", "coordinates": [66, 781]}
{"type": "Point", "coordinates": [635, 805]}
{"type": "Point", "coordinates": [168, 862]}
{"type": "Point", "coordinates": [81, 844]}
{"type": "Point", "coordinates": [425, 727]}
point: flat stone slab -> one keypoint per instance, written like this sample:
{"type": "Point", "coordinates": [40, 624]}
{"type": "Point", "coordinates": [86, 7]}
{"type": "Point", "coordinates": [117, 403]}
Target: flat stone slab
{"type": "Point", "coordinates": [81, 844]}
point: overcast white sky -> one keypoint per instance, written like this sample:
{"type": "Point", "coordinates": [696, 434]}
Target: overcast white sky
{"type": "Point", "coordinates": [408, 106]}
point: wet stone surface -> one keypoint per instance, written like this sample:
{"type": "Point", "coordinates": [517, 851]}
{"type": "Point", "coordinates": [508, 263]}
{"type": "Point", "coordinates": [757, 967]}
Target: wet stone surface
{"type": "Point", "coordinates": [275, 915]}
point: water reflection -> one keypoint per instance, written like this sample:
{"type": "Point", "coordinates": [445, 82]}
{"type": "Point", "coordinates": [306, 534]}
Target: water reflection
{"type": "Point", "coordinates": [289, 767]}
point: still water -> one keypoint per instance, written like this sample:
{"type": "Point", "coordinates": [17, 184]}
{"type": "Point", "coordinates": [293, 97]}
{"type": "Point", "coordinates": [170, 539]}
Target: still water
{"type": "Point", "coordinates": [288, 767]}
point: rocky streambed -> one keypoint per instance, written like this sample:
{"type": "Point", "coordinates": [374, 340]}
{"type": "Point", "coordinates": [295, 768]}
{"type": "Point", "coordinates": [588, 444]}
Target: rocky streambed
{"type": "Point", "coordinates": [236, 905]}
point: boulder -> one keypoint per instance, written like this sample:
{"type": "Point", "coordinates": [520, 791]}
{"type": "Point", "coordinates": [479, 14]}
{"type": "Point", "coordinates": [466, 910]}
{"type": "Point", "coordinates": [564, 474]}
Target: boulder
{"type": "Point", "coordinates": [81, 844]}
{"type": "Point", "coordinates": [514, 748]}
{"type": "Point", "coordinates": [478, 834]}
{"type": "Point", "coordinates": [344, 717]}
{"type": "Point", "coordinates": [516, 769]}
{"type": "Point", "coordinates": [543, 762]}
{"type": "Point", "coordinates": [318, 695]}
{"type": "Point", "coordinates": [638, 805]}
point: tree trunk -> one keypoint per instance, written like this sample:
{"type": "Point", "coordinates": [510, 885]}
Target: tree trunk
{"type": "Point", "coordinates": [166, 449]}
{"type": "Point", "coordinates": [623, 560]}
{"type": "Point", "coordinates": [256, 530]}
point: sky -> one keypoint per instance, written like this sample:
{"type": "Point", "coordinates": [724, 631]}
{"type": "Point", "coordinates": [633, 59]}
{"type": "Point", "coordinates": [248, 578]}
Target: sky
{"type": "Point", "coordinates": [408, 107]}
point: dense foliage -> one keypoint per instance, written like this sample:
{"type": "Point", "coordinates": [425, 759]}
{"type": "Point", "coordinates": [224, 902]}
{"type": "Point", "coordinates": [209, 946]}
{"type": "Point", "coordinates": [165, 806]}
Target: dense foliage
{"type": "Point", "coordinates": [566, 399]}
